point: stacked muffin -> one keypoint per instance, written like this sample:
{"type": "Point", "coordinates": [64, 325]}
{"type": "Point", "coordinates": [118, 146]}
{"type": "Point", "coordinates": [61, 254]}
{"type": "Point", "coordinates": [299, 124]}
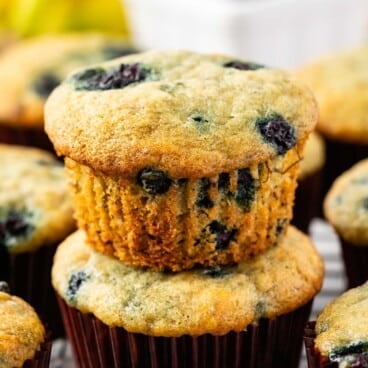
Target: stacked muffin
{"type": "Point", "coordinates": [183, 168]}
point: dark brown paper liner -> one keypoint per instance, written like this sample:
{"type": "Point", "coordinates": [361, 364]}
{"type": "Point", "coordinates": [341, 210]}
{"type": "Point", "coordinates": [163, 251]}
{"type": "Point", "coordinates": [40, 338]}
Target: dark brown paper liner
{"type": "Point", "coordinates": [42, 357]}
{"type": "Point", "coordinates": [340, 157]}
{"type": "Point", "coordinates": [29, 277]}
{"type": "Point", "coordinates": [25, 137]}
{"type": "Point", "coordinates": [270, 344]}
{"type": "Point", "coordinates": [314, 358]}
{"type": "Point", "coordinates": [355, 262]}
{"type": "Point", "coordinates": [307, 201]}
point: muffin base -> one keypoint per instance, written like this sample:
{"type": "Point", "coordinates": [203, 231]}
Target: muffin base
{"type": "Point", "coordinates": [42, 357]}
{"type": "Point", "coordinates": [314, 358]}
{"type": "Point", "coordinates": [355, 262]}
{"type": "Point", "coordinates": [308, 200]}
{"type": "Point", "coordinates": [29, 277]}
{"type": "Point", "coordinates": [26, 137]}
{"type": "Point", "coordinates": [340, 156]}
{"type": "Point", "coordinates": [212, 221]}
{"type": "Point", "coordinates": [270, 343]}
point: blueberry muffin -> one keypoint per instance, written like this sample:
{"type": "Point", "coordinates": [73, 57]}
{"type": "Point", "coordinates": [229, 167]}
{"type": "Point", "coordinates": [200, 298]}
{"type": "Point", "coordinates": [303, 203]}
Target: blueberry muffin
{"type": "Point", "coordinates": [346, 209]}
{"type": "Point", "coordinates": [341, 332]}
{"type": "Point", "coordinates": [178, 159]}
{"type": "Point", "coordinates": [308, 196]}
{"type": "Point", "coordinates": [32, 68]}
{"type": "Point", "coordinates": [23, 339]}
{"type": "Point", "coordinates": [340, 84]}
{"type": "Point", "coordinates": [193, 317]}
{"type": "Point", "coordinates": [35, 215]}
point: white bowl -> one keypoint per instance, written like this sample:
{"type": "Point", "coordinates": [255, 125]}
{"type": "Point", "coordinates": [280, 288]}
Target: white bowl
{"type": "Point", "coordinates": [279, 33]}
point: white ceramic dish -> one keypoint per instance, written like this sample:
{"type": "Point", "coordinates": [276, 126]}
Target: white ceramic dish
{"type": "Point", "coordinates": [280, 33]}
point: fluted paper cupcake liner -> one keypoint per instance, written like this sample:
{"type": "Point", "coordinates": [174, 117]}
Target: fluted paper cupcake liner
{"type": "Point", "coordinates": [269, 344]}
{"type": "Point", "coordinates": [42, 357]}
{"type": "Point", "coordinates": [29, 277]}
{"type": "Point", "coordinates": [355, 262]}
{"type": "Point", "coordinates": [25, 137]}
{"type": "Point", "coordinates": [307, 201]}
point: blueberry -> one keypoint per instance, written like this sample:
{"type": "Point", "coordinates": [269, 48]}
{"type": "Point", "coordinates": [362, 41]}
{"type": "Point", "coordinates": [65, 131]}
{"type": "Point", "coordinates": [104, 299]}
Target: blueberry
{"type": "Point", "coordinates": [45, 84]}
{"type": "Point", "coordinates": [112, 52]}
{"type": "Point", "coordinates": [4, 287]}
{"type": "Point", "coordinates": [223, 235]}
{"type": "Point", "coordinates": [116, 78]}
{"type": "Point", "coordinates": [216, 272]}
{"type": "Point", "coordinates": [14, 225]}
{"type": "Point", "coordinates": [359, 348]}
{"type": "Point", "coordinates": [201, 122]}
{"type": "Point", "coordinates": [277, 131]}
{"type": "Point", "coordinates": [280, 225]}
{"type": "Point", "coordinates": [224, 182]}
{"type": "Point", "coordinates": [241, 65]}
{"type": "Point", "coordinates": [245, 189]}
{"type": "Point", "coordinates": [203, 197]}
{"type": "Point", "coordinates": [153, 181]}
{"type": "Point", "coordinates": [74, 284]}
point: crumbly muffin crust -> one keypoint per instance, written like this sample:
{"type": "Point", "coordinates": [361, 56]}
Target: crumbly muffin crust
{"type": "Point", "coordinates": [339, 82]}
{"type": "Point", "coordinates": [346, 204]}
{"type": "Point", "coordinates": [313, 155]}
{"type": "Point", "coordinates": [187, 114]}
{"type": "Point", "coordinates": [215, 300]}
{"type": "Point", "coordinates": [35, 205]}
{"type": "Point", "coordinates": [342, 326]}
{"type": "Point", "coordinates": [21, 331]}
{"type": "Point", "coordinates": [31, 68]}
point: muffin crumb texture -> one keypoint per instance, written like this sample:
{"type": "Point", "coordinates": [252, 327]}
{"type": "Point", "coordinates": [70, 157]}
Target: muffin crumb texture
{"type": "Point", "coordinates": [21, 331]}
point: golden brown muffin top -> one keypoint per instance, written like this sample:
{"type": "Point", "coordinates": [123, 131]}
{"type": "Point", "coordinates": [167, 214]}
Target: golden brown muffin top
{"type": "Point", "coordinates": [342, 326]}
{"type": "Point", "coordinates": [313, 155]}
{"type": "Point", "coordinates": [188, 114]}
{"type": "Point", "coordinates": [340, 84]}
{"type": "Point", "coordinates": [21, 331]}
{"type": "Point", "coordinates": [194, 302]}
{"type": "Point", "coordinates": [346, 204]}
{"type": "Point", "coordinates": [35, 204]}
{"type": "Point", "coordinates": [32, 68]}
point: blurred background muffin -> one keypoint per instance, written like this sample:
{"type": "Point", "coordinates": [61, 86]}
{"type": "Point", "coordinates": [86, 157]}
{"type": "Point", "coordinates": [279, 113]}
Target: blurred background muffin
{"type": "Point", "coordinates": [308, 195]}
{"type": "Point", "coordinates": [30, 69]}
{"type": "Point", "coordinates": [24, 340]}
{"type": "Point", "coordinates": [340, 84]}
{"type": "Point", "coordinates": [346, 209]}
{"type": "Point", "coordinates": [35, 214]}
{"type": "Point", "coordinates": [339, 338]}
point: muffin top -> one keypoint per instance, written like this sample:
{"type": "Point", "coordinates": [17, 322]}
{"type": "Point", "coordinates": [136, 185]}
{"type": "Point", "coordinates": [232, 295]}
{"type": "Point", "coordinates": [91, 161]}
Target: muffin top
{"type": "Point", "coordinates": [340, 84]}
{"type": "Point", "coordinates": [216, 300]}
{"type": "Point", "coordinates": [188, 114]}
{"type": "Point", "coordinates": [346, 204]}
{"type": "Point", "coordinates": [21, 331]}
{"type": "Point", "coordinates": [313, 155]}
{"type": "Point", "coordinates": [32, 68]}
{"type": "Point", "coordinates": [35, 204]}
{"type": "Point", "coordinates": [342, 327]}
